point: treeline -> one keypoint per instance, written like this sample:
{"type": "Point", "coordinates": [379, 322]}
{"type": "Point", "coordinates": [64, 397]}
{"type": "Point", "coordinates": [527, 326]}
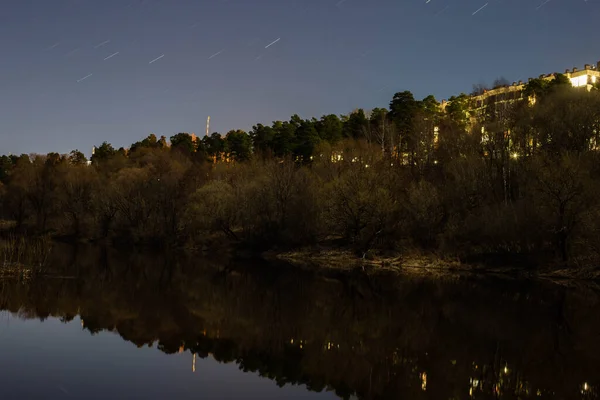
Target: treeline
{"type": "Point", "coordinates": [509, 174]}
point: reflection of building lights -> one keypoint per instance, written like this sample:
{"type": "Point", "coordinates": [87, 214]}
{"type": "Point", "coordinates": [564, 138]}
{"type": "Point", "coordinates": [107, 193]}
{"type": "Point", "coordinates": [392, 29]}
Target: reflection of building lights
{"type": "Point", "coordinates": [424, 381]}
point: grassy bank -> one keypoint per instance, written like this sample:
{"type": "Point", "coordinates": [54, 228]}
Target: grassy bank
{"type": "Point", "coordinates": [422, 264]}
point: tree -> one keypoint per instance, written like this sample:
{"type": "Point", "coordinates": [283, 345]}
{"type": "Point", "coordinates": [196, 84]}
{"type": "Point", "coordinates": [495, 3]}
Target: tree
{"type": "Point", "coordinates": [330, 128]}
{"type": "Point", "coordinates": [458, 110]}
{"type": "Point", "coordinates": [380, 129]}
{"type": "Point", "coordinates": [423, 135]}
{"type": "Point", "coordinates": [184, 143]}
{"type": "Point", "coordinates": [567, 120]}
{"type": "Point", "coordinates": [560, 81]}
{"type": "Point", "coordinates": [564, 193]}
{"type": "Point", "coordinates": [539, 88]}
{"type": "Point", "coordinates": [360, 207]}
{"type": "Point", "coordinates": [238, 145]}
{"type": "Point", "coordinates": [479, 89]}
{"type": "Point", "coordinates": [149, 142]}
{"type": "Point", "coordinates": [262, 138]}
{"type": "Point", "coordinates": [103, 153]}
{"type": "Point", "coordinates": [501, 82]}
{"type": "Point", "coordinates": [6, 165]}
{"type": "Point", "coordinates": [283, 138]}
{"type": "Point", "coordinates": [162, 142]}
{"type": "Point", "coordinates": [214, 208]}
{"type": "Point", "coordinates": [40, 179]}
{"type": "Point", "coordinates": [355, 125]}
{"type": "Point", "coordinates": [307, 138]}
{"type": "Point", "coordinates": [76, 188]}
{"type": "Point", "coordinates": [76, 157]}
{"type": "Point", "coordinates": [214, 145]}
{"type": "Point", "coordinates": [15, 202]}
{"type": "Point", "coordinates": [403, 109]}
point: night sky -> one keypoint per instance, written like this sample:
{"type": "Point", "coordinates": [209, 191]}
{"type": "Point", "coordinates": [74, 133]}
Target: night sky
{"type": "Point", "coordinates": [332, 56]}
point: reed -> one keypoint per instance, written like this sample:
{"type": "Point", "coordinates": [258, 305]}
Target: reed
{"type": "Point", "coordinates": [24, 257]}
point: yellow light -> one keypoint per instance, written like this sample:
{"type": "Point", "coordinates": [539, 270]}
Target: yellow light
{"type": "Point", "coordinates": [593, 78]}
{"type": "Point", "coordinates": [515, 155]}
{"type": "Point", "coordinates": [579, 81]}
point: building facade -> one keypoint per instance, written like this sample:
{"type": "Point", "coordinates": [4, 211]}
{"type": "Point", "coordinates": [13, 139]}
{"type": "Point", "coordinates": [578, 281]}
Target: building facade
{"type": "Point", "coordinates": [501, 97]}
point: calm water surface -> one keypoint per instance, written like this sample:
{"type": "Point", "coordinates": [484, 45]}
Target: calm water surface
{"type": "Point", "coordinates": [151, 327]}
{"type": "Point", "coordinates": [54, 359]}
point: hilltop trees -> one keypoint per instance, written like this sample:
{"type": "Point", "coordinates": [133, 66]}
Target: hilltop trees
{"type": "Point", "coordinates": [330, 128]}
{"type": "Point", "coordinates": [238, 145]}
{"type": "Point", "coordinates": [509, 175]}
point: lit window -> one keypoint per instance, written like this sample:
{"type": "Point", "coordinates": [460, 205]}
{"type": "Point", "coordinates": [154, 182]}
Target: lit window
{"type": "Point", "coordinates": [579, 81]}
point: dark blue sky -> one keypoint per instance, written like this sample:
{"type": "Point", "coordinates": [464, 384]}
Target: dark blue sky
{"type": "Point", "coordinates": [332, 56]}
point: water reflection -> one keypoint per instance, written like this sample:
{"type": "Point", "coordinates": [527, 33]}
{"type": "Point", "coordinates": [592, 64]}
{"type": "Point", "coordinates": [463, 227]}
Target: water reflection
{"type": "Point", "coordinates": [370, 338]}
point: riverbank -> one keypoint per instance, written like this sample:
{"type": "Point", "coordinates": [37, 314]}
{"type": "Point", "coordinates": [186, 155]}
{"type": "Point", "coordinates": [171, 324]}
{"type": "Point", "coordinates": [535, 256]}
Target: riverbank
{"type": "Point", "coordinates": [431, 265]}
{"type": "Point", "coordinates": [32, 251]}
{"type": "Point", "coordinates": [409, 263]}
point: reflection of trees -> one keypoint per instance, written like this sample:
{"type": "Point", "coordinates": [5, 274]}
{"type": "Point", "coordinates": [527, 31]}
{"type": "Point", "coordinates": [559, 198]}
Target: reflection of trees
{"type": "Point", "coordinates": [377, 339]}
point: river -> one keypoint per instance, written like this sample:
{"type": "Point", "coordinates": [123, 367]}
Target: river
{"type": "Point", "coordinates": [152, 326]}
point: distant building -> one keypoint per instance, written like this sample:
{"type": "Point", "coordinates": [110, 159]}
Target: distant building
{"type": "Point", "coordinates": [506, 95]}
{"type": "Point", "coordinates": [587, 77]}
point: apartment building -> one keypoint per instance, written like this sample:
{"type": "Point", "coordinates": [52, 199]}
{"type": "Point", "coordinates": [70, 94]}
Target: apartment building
{"type": "Point", "coordinates": [504, 95]}
{"type": "Point", "coordinates": [501, 96]}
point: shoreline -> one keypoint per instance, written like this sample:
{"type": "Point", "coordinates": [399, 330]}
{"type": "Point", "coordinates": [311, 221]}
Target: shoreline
{"type": "Point", "coordinates": [330, 259]}
{"type": "Point", "coordinates": [423, 265]}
